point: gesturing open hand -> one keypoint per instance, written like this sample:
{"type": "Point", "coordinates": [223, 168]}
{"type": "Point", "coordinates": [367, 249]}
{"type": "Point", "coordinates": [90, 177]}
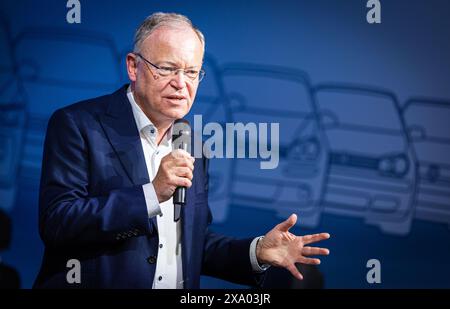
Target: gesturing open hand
{"type": "Point", "coordinates": [281, 248]}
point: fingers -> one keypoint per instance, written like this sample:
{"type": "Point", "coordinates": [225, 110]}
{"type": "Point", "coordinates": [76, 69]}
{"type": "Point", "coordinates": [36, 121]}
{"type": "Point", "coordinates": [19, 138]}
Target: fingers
{"type": "Point", "coordinates": [183, 172]}
{"type": "Point", "coordinates": [182, 182]}
{"type": "Point", "coordinates": [178, 158]}
{"type": "Point", "coordinates": [175, 170]}
{"type": "Point", "coordinates": [180, 153]}
{"type": "Point", "coordinates": [309, 261]}
{"type": "Point", "coordinates": [181, 157]}
{"type": "Point", "coordinates": [307, 251]}
{"type": "Point", "coordinates": [185, 162]}
{"type": "Point", "coordinates": [309, 239]}
{"type": "Point", "coordinates": [294, 271]}
{"type": "Point", "coordinates": [286, 225]}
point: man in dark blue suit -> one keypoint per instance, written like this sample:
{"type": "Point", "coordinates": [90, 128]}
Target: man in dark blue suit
{"type": "Point", "coordinates": [109, 173]}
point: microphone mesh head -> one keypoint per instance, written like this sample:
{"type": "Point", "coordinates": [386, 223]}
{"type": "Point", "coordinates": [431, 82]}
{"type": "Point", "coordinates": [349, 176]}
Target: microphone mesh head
{"type": "Point", "coordinates": [181, 135]}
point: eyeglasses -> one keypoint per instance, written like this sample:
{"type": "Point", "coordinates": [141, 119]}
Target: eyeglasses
{"type": "Point", "coordinates": [171, 71]}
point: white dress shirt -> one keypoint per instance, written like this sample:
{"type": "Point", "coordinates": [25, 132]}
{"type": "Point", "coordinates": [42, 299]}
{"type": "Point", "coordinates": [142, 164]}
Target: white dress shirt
{"type": "Point", "coordinates": [169, 270]}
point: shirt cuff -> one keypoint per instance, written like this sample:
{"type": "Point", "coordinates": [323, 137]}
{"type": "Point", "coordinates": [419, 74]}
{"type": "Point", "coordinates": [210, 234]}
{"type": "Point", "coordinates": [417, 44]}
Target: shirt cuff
{"type": "Point", "coordinates": [151, 200]}
{"type": "Point", "coordinates": [253, 260]}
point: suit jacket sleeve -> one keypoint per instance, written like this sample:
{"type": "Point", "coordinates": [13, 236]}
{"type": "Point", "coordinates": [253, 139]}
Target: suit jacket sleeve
{"type": "Point", "coordinates": [68, 214]}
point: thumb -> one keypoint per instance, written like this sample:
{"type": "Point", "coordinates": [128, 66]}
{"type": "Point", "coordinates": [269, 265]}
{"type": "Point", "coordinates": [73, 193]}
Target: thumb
{"type": "Point", "coordinates": [286, 225]}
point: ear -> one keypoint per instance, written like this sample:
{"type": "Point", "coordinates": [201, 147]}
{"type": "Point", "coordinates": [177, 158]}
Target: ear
{"type": "Point", "coordinates": [132, 66]}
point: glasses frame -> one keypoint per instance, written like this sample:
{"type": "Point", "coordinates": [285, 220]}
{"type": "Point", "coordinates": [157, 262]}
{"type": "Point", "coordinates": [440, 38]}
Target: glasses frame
{"type": "Point", "coordinates": [200, 75]}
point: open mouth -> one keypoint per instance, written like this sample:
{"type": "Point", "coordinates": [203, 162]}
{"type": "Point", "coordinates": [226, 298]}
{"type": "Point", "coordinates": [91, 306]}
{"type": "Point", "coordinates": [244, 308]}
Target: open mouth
{"type": "Point", "coordinates": [176, 100]}
{"type": "Point", "coordinates": [176, 97]}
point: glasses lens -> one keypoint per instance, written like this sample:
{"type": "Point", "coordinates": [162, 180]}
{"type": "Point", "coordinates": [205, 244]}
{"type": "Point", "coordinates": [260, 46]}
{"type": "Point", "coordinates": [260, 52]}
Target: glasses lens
{"type": "Point", "coordinates": [192, 74]}
{"type": "Point", "coordinates": [166, 71]}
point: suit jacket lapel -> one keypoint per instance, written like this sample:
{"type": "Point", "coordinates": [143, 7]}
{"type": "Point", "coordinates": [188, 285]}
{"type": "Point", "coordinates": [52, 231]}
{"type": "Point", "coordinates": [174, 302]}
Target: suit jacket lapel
{"type": "Point", "coordinates": [121, 130]}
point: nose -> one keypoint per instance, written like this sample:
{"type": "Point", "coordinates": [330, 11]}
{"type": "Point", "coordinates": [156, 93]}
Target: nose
{"type": "Point", "coordinates": [179, 80]}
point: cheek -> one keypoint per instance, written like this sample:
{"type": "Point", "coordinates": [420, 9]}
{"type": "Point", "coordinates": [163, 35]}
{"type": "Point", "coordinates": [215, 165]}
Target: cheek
{"type": "Point", "coordinates": [192, 92]}
{"type": "Point", "coordinates": [152, 91]}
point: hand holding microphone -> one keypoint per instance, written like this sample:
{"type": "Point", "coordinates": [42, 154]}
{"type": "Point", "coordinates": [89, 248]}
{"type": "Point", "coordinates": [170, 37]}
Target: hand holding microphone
{"type": "Point", "coordinates": [175, 172]}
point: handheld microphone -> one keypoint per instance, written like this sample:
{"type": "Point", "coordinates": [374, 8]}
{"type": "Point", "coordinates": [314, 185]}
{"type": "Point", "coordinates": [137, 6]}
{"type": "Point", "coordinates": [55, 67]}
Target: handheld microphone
{"type": "Point", "coordinates": [181, 138]}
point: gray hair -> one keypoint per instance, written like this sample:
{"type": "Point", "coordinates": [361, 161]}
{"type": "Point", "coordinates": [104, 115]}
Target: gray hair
{"type": "Point", "coordinates": [156, 20]}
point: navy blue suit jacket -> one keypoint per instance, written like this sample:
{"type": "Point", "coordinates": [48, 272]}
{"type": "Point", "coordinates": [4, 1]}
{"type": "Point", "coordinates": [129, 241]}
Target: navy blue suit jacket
{"type": "Point", "coordinates": [92, 206]}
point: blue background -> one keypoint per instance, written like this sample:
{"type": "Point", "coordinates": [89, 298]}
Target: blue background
{"type": "Point", "coordinates": [364, 113]}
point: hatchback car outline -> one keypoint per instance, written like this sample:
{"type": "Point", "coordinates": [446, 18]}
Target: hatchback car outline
{"type": "Point", "coordinates": [13, 119]}
{"type": "Point", "coordinates": [90, 68]}
{"type": "Point", "coordinates": [12, 129]}
{"type": "Point", "coordinates": [428, 126]}
{"type": "Point", "coordinates": [11, 88]}
{"type": "Point", "coordinates": [371, 169]}
{"type": "Point", "coordinates": [210, 103]}
{"type": "Point", "coordinates": [275, 94]}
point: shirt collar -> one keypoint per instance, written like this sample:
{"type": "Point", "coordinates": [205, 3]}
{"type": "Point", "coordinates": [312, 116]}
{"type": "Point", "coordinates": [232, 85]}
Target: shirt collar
{"type": "Point", "coordinates": [144, 124]}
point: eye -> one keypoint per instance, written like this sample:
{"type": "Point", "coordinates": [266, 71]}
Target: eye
{"type": "Point", "coordinates": [192, 73]}
{"type": "Point", "coordinates": [167, 70]}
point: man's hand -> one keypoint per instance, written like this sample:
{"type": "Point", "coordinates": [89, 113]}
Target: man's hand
{"type": "Point", "coordinates": [174, 171]}
{"type": "Point", "coordinates": [281, 248]}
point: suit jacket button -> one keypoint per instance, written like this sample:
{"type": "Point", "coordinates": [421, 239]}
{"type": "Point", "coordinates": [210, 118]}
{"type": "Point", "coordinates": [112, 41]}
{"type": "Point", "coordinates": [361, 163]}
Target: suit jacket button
{"type": "Point", "coordinates": [151, 259]}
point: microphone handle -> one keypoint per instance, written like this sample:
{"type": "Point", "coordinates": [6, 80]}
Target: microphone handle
{"type": "Point", "coordinates": [179, 197]}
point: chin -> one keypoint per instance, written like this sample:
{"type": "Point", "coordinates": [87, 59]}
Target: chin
{"type": "Point", "coordinates": [176, 114]}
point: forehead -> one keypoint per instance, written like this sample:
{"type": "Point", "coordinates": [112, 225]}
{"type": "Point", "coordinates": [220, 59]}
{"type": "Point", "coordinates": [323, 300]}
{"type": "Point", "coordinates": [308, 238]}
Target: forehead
{"type": "Point", "coordinates": [180, 45]}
